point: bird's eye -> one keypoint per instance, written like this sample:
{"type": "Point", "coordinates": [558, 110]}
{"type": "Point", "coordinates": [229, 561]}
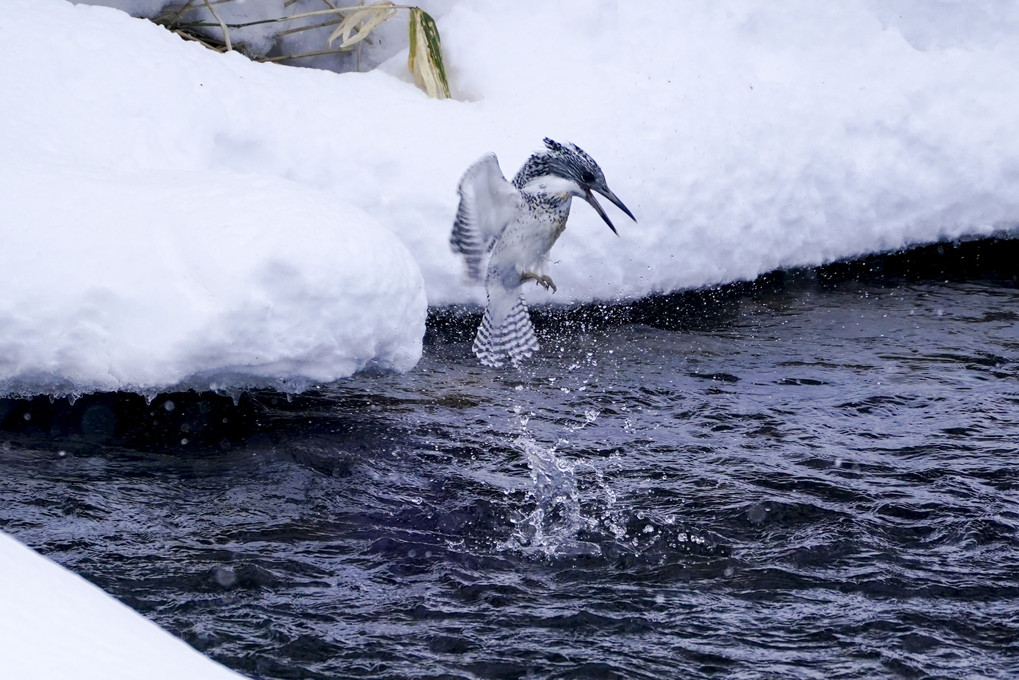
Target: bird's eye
{"type": "Point", "coordinates": [587, 176]}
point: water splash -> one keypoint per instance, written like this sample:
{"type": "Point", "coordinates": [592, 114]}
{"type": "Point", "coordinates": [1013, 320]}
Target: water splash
{"type": "Point", "coordinates": [552, 527]}
{"type": "Point", "coordinates": [558, 525]}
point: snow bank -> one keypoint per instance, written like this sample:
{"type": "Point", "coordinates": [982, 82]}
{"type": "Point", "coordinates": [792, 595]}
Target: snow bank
{"type": "Point", "coordinates": [750, 136]}
{"type": "Point", "coordinates": [745, 136]}
{"type": "Point", "coordinates": [129, 264]}
{"type": "Point", "coordinates": [216, 280]}
{"type": "Point", "coordinates": [56, 625]}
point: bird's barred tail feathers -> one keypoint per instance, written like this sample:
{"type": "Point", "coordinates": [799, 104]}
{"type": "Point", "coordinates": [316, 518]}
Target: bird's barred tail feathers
{"type": "Point", "coordinates": [511, 337]}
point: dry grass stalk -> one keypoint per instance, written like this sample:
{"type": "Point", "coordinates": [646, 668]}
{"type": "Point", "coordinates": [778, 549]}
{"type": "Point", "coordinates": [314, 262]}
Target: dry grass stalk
{"type": "Point", "coordinates": [355, 24]}
{"type": "Point", "coordinates": [226, 33]}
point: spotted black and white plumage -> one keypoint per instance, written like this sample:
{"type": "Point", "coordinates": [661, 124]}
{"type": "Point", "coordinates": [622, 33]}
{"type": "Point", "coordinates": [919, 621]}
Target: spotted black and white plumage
{"type": "Point", "coordinates": [514, 226]}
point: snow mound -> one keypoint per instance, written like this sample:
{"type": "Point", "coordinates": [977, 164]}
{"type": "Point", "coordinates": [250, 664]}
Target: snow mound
{"type": "Point", "coordinates": [56, 624]}
{"type": "Point", "coordinates": [216, 281]}
{"type": "Point", "coordinates": [125, 269]}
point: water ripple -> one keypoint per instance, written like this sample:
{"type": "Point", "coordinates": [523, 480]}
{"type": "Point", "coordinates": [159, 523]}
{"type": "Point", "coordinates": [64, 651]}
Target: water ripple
{"type": "Point", "coordinates": [814, 483]}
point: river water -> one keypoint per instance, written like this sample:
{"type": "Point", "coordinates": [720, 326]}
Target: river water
{"type": "Point", "coordinates": [813, 476]}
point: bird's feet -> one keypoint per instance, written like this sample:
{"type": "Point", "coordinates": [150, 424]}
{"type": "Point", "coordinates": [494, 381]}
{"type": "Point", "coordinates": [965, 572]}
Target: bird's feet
{"type": "Point", "coordinates": [540, 279]}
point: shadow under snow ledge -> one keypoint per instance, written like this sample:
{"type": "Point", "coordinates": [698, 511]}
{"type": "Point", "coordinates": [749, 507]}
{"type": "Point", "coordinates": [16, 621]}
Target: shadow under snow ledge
{"type": "Point", "coordinates": [991, 258]}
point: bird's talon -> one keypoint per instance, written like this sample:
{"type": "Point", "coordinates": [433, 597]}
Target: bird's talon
{"type": "Point", "coordinates": [544, 281]}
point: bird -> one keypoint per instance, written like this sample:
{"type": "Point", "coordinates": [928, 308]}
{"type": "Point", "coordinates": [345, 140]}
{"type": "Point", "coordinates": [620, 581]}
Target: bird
{"type": "Point", "coordinates": [514, 226]}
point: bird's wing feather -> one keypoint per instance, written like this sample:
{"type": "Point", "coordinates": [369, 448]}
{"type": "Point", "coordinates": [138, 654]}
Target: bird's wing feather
{"type": "Point", "coordinates": [487, 204]}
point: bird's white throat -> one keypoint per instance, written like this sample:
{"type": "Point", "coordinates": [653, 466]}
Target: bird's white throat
{"type": "Point", "coordinates": [553, 185]}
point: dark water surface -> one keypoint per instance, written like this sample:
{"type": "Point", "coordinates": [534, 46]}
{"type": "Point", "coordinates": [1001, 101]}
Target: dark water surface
{"type": "Point", "coordinates": [805, 481]}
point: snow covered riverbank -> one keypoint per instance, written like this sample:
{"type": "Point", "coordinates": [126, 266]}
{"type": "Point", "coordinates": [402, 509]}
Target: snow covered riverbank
{"type": "Point", "coordinates": [129, 263]}
{"type": "Point", "coordinates": [56, 625]}
{"type": "Point", "coordinates": [176, 217]}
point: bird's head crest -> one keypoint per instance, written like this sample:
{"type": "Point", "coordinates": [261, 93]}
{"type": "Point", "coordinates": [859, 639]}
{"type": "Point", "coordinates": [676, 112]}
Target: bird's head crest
{"type": "Point", "coordinates": [570, 161]}
{"type": "Point", "coordinates": [572, 172]}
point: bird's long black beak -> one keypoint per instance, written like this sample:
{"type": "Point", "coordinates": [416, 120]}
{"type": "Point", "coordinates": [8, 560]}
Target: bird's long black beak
{"type": "Point", "coordinates": [607, 193]}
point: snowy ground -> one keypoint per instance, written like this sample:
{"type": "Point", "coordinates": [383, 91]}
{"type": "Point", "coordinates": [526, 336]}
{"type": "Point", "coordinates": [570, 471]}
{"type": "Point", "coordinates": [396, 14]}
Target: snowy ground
{"type": "Point", "coordinates": [131, 264]}
{"type": "Point", "coordinates": [176, 216]}
{"type": "Point", "coordinates": [57, 626]}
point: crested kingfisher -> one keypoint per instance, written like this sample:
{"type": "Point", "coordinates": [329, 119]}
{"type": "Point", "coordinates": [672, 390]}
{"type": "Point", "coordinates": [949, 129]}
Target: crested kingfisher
{"type": "Point", "coordinates": [516, 225]}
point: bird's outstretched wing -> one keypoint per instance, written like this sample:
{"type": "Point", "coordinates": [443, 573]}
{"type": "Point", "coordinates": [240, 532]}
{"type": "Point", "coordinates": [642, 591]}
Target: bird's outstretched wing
{"type": "Point", "coordinates": [487, 204]}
